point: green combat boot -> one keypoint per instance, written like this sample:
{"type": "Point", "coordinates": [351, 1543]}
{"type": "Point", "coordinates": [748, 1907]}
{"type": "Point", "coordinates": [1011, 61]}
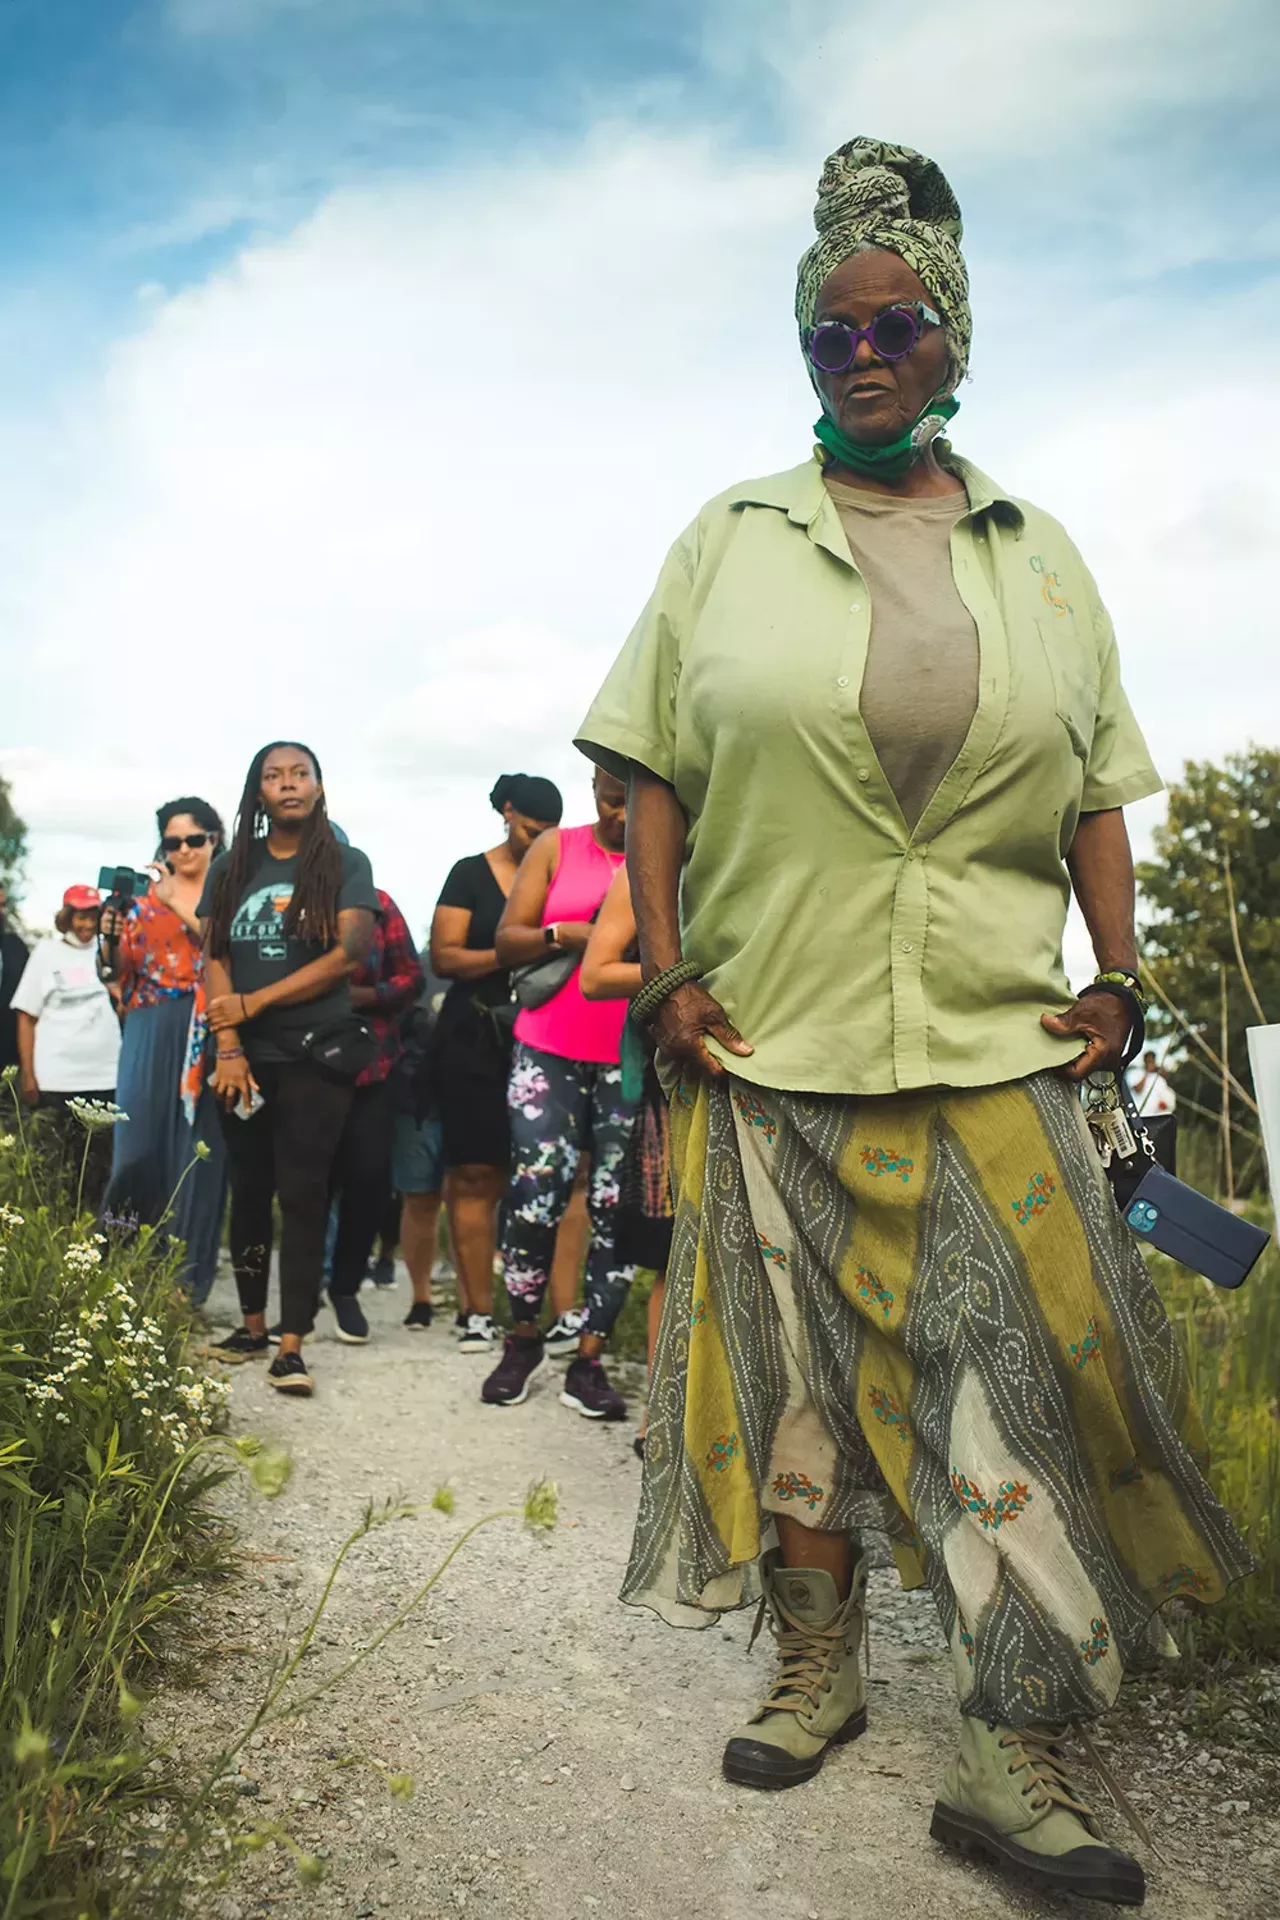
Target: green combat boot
{"type": "Point", "coordinates": [819, 1695]}
{"type": "Point", "coordinates": [1008, 1800]}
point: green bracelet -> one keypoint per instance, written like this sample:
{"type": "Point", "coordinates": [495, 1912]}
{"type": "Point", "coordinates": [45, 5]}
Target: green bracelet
{"type": "Point", "coordinates": [1121, 977]}
{"type": "Point", "coordinates": [660, 989]}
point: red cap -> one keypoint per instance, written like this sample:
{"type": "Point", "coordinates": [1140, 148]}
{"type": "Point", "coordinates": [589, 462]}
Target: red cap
{"type": "Point", "coordinates": [81, 899]}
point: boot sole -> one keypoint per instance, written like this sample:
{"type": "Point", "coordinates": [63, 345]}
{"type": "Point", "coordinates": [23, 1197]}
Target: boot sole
{"type": "Point", "coordinates": [351, 1339]}
{"type": "Point", "coordinates": [234, 1359]}
{"type": "Point", "coordinates": [518, 1399]}
{"type": "Point", "coordinates": [1109, 1877]}
{"type": "Point", "coordinates": [753, 1763]}
{"type": "Point", "coordinates": [300, 1389]}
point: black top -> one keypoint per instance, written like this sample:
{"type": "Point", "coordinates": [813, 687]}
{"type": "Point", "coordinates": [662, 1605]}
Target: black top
{"type": "Point", "coordinates": [13, 959]}
{"type": "Point", "coordinates": [472, 886]}
{"type": "Point", "coordinates": [261, 953]}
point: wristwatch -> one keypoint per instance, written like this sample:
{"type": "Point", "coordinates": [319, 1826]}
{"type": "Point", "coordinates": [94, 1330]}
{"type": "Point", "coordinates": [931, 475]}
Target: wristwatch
{"type": "Point", "coordinates": [549, 934]}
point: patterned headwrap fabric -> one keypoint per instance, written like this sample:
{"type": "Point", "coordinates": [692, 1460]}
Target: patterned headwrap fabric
{"type": "Point", "coordinates": [877, 195]}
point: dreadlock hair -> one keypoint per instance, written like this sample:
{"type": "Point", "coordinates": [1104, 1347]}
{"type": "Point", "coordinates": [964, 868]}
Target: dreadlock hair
{"type": "Point", "coordinates": [312, 913]}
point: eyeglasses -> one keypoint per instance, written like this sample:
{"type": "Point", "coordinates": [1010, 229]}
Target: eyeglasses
{"type": "Point", "coordinates": [892, 335]}
{"type": "Point", "coordinates": [172, 841]}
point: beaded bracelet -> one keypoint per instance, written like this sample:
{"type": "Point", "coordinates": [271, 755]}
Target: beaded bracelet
{"type": "Point", "coordinates": [1121, 977]}
{"type": "Point", "coordinates": [660, 989]}
{"type": "Point", "coordinates": [230, 1053]}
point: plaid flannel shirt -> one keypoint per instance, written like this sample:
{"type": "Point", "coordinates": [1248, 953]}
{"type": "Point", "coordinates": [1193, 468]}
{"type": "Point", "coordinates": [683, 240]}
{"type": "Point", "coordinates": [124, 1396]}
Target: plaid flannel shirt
{"type": "Point", "coordinates": [394, 971]}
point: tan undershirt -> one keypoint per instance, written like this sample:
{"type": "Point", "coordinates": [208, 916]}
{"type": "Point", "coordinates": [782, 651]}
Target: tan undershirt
{"type": "Point", "coordinates": [920, 685]}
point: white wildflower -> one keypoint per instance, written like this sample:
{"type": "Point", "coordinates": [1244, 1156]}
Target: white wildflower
{"type": "Point", "coordinates": [95, 1115]}
{"type": "Point", "coordinates": [7, 1140]}
{"type": "Point", "coordinates": [82, 1257]}
{"type": "Point", "coordinates": [11, 1218]}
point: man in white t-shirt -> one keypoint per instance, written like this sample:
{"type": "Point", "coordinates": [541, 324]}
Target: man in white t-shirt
{"type": "Point", "coordinates": [1151, 1091]}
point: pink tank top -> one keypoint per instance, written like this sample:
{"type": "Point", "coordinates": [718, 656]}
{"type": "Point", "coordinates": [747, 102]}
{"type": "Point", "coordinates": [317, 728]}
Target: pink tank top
{"type": "Point", "coordinates": [568, 1025]}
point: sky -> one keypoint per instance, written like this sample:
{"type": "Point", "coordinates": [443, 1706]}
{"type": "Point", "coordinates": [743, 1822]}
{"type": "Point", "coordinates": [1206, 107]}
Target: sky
{"type": "Point", "coordinates": [360, 359]}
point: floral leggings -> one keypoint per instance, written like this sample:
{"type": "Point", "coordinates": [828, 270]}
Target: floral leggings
{"type": "Point", "coordinates": [559, 1110]}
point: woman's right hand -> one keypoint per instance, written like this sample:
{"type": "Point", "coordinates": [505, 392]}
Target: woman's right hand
{"type": "Point", "coordinates": [682, 1023]}
{"type": "Point", "coordinates": [29, 1087]}
{"type": "Point", "coordinates": [233, 1082]}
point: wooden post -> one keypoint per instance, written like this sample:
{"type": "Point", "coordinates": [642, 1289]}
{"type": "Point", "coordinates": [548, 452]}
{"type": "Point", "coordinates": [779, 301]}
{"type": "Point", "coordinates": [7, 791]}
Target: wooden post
{"type": "Point", "coordinates": [1227, 1164]}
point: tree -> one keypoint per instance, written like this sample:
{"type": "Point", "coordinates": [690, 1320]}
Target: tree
{"type": "Point", "coordinates": [13, 840]}
{"type": "Point", "coordinates": [1219, 848]}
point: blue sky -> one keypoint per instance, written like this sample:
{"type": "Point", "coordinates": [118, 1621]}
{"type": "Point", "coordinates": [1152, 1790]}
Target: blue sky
{"type": "Point", "coordinates": [360, 358]}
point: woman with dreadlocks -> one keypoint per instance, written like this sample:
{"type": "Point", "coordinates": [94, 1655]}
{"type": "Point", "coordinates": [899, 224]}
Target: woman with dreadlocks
{"type": "Point", "coordinates": [288, 914]}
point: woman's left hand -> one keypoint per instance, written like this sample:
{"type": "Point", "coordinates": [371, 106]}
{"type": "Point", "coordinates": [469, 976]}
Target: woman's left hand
{"type": "Point", "coordinates": [229, 1010]}
{"type": "Point", "coordinates": [1103, 1021]}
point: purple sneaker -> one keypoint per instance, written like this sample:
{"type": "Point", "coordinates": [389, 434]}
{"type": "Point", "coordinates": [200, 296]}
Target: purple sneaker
{"type": "Point", "coordinates": [587, 1391]}
{"type": "Point", "coordinates": [508, 1384]}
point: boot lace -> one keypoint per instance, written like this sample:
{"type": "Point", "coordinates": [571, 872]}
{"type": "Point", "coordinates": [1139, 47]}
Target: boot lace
{"type": "Point", "coordinates": [805, 1657]}
{"type": "Point", "coordinates": [1047, 1782]}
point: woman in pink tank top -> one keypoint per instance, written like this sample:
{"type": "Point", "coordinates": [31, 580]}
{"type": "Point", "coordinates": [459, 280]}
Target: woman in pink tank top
{"type": "Point", "coordinates": [564, 1099]}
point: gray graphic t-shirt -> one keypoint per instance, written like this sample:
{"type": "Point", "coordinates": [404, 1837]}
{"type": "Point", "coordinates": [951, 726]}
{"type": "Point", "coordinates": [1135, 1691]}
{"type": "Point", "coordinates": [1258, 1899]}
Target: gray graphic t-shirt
{"type": "Point", "coordinates": [262, 952]}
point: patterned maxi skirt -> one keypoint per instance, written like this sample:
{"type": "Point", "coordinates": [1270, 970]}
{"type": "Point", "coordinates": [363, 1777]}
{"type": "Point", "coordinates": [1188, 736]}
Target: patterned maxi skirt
{"type": "Point", "coordinates": [922, 1313]}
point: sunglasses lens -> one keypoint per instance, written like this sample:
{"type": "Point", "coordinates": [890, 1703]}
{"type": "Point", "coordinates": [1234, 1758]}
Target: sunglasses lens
{"type": "Point", "coordinates": [831, 347]}
{"type": "Point", "coordinates": [197, 839]}
{"type": "Point", "coordinates": [894, 333]}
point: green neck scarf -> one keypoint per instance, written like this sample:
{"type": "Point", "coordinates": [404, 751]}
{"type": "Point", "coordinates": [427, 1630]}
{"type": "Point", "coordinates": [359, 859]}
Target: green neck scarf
{"type": "Point", "coordinates": [899, 456]}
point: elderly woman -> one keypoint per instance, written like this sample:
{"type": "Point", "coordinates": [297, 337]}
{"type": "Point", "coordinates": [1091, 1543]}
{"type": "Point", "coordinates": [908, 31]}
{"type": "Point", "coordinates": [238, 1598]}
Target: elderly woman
{"type": "Point", "coordinates": [873, 729]}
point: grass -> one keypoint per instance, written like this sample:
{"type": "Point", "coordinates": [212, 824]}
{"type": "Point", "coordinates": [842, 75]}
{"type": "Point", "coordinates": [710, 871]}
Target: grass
{"type": "Point", "coordinates": [107, 1461]}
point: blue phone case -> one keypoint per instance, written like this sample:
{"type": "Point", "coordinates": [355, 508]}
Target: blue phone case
{"type": "Point", "coordinates": [1202, 1235]}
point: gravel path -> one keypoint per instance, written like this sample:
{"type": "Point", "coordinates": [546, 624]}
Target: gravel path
{"type": "Point", "coordinates": [565, 1750]}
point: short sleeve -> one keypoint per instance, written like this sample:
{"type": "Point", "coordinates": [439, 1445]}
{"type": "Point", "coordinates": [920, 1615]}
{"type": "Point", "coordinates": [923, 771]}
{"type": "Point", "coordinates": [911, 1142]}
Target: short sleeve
{"type": "Point", "coordinates": [633, 717]}
{"type": "Point", "coordinates": [357, 888]}
{"type": "Point", "coordinates": [459, 890]}
{"type": "Point", "coordinates": [32, 989]}
{"type": "Point", "coordinates": [1119, 769]}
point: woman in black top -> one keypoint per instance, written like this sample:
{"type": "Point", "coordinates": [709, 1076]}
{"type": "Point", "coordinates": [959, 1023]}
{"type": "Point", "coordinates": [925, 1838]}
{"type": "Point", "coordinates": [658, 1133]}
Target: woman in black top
{"type": "Point", "coordinates": [471, 1050]}
{"type": "Point", "coordinates": [288, 915]}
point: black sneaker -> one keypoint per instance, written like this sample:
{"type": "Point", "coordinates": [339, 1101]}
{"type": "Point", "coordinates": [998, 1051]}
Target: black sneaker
{"type": "Point", "coordinates": [419, 1314]}
{"type": "Point", "coordinates": [460, 1324]}
{"type": "Point", "coordinates": [383, 1272]}
{"type": "Point", "coordinates": [238, 1347]}
{"type": "Point", "coordinates": [478, 1335]}
{"type": "Point", "coordinates": [563, 1334]}
{"type": "Point", "coordinates": [353, 1328]}
{"type": "Point", "coordinates": [288, 1374]}
{"type": "Point", "coordinates": [587, 1391]}
{"type": "Point", "coordinates": [508, 1384]}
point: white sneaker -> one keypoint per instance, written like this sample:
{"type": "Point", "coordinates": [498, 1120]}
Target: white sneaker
{"type": "Point", "coordinates": [564, 1334]}
{"type": "Point", "coordinates": [479, 1336]}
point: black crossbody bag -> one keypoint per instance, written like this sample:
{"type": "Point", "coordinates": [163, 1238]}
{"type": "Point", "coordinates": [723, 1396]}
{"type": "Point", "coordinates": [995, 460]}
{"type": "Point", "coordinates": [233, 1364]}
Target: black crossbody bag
{"type": "Point", "coordinates": [343, 1045]}
{"type": "Point", "coordinates": [1138, 1156]}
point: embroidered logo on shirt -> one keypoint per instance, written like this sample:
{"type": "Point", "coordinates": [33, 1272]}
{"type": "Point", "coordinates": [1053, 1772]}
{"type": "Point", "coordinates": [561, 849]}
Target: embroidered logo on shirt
{"type": "Point", "coordinates": [798, 1486]}
{"type": "Point", "coordinates": [1052, 591]}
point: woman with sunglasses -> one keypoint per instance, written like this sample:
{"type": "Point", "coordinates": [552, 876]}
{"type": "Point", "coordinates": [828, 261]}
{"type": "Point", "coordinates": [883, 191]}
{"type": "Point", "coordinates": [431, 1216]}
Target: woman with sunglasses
{"type": "Point", "coordinates": [874, 733]}
{"type": "Point", "coordinates": [168, 1162]}
{"type": "Point", "coordinates": [289, 914]}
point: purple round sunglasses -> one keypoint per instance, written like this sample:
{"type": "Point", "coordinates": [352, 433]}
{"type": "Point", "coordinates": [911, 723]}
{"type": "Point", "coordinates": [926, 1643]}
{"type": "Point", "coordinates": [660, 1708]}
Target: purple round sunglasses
{"type": "Point", "coordinates": [892, 335]}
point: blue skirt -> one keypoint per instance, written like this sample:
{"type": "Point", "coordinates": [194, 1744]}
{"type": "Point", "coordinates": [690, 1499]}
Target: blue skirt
{"type": "Point", "coordinates": [155, 1172]}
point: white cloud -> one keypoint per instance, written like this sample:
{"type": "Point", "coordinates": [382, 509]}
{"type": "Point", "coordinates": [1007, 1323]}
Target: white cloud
{"type": "Point", "coordinates": [400, 480]}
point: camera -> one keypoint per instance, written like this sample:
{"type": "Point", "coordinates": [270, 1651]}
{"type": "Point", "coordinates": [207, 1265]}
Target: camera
{"type": "Point", "coordinates": [122, 884]}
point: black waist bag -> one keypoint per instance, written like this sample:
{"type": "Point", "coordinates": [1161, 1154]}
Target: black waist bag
{"type": "Point", "coordinates": [344, 1046]}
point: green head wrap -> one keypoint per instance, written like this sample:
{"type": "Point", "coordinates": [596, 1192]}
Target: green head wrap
{"type": "Point", "coordinates": [872, 194]}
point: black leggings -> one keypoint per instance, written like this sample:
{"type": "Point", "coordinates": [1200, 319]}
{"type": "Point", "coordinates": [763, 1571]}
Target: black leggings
{"type": "Point", "coordinates": [285, 1151]}
{"type": "Point", "coordinates": [361, 1184]}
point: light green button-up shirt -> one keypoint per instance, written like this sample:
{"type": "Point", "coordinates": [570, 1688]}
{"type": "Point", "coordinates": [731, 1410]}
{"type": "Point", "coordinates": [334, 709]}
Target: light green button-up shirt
{"type": "Point", "coordinates": [856, 955]}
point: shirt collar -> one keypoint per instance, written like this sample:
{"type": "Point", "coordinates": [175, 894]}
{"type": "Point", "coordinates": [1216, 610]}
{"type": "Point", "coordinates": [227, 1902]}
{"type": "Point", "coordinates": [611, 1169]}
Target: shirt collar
{"type": "Point", "coordinates": [802, 496]}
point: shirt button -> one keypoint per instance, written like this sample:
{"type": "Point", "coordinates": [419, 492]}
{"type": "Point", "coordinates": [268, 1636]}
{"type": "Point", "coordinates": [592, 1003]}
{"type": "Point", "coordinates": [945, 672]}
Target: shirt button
{"type": "Point", "coordinates": [863, 774]}
{"type": "Point", "coordinates": [856, 607]}
{"type": "Point", "coordinates": [843, 681]}
{"type": "Point", "coordinates": [907, 947]}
